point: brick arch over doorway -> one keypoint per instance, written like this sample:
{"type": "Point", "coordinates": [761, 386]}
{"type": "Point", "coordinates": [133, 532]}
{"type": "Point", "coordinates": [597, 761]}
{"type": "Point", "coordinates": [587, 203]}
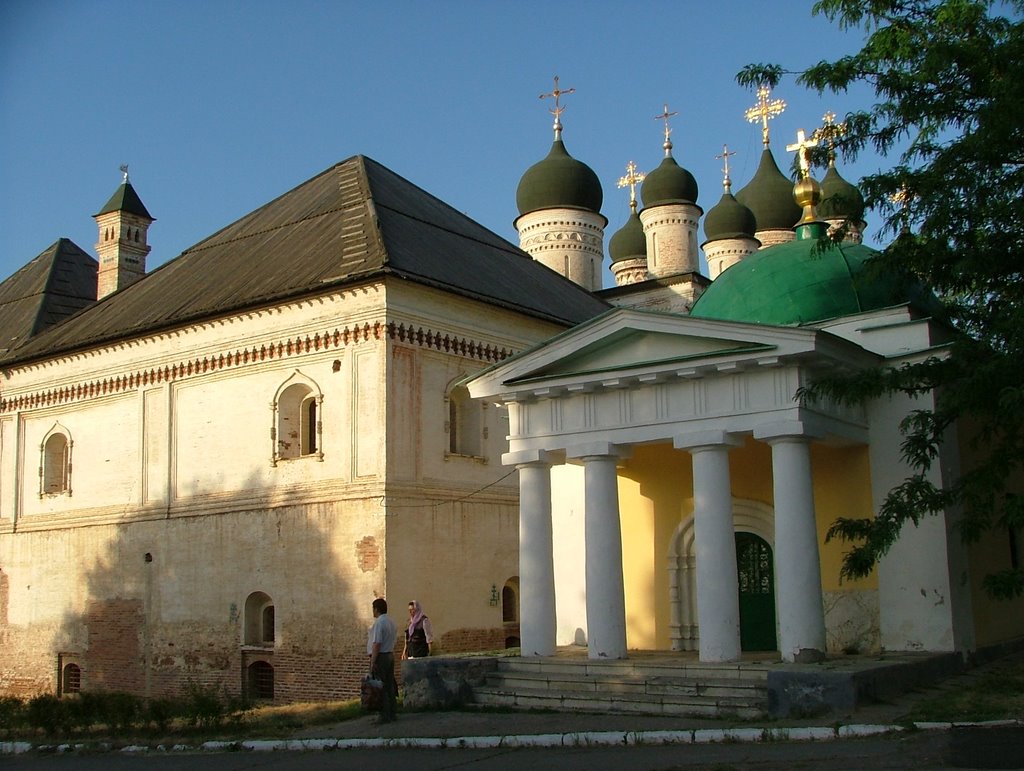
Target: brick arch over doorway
{"type": "Point", "coordinates": [747, 517]}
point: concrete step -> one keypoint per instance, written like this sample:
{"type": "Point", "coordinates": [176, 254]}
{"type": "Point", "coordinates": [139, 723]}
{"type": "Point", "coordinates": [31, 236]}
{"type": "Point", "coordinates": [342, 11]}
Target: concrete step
{"type": "Point", "coordinates": [625, 667]}
{"type": "Point", "coordinates": [706, 707]}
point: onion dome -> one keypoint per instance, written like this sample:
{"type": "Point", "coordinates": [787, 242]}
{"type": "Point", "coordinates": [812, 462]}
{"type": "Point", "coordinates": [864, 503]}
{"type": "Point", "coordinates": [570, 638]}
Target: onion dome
{"type": "Point", "coordinates": [769, 195]}
{"type": "Point", "coordinates": [559, 182]}
{"type": "Point", "coordinates": [729, 219]}
{"type": "Point", "coordinates": [629, 242]}
{"type": "Point", "coordinates": [796, 283]}
{"type": "Point", "coordinates": [669, 183]}
{"type": "Point", "coordinates": [839, 199]}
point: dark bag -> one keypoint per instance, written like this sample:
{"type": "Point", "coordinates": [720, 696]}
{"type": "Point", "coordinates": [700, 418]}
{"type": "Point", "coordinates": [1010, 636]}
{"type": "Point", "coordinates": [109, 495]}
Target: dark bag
{"type": "Point", "coordinates": [371, 694]}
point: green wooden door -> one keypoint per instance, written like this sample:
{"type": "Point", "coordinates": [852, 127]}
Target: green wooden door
{"type": "Point", "coordinates": [757, 593]}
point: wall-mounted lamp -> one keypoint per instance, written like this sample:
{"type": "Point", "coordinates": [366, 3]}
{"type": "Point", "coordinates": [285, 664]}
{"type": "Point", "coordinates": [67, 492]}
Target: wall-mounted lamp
{"type": "Point", "coordinates": [494, 595]}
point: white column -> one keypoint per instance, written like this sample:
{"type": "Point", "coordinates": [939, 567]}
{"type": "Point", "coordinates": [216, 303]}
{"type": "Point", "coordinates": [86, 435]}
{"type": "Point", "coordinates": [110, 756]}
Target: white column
{"type": "Point", "coordinates": [536, 560]}
{"type": "Point", "coordinates": [718, 605]}
{"type": "Point", "coordinates": [606, 598]}
{"type": "Point", "coordinates": [797, 562]}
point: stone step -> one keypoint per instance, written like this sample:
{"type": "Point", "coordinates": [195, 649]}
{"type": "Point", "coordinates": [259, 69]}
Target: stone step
{"type": "Point", "coordinates": [695, 706]}
{"type": "Point", "coordinates": [621, 668]}
{"type": "Point", "coordinates": [573, 683]}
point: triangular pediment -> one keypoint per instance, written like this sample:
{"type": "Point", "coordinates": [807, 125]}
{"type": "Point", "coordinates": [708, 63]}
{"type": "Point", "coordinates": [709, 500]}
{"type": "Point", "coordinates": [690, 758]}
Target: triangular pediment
{"type": "Point", "coordinates": [631, 344]}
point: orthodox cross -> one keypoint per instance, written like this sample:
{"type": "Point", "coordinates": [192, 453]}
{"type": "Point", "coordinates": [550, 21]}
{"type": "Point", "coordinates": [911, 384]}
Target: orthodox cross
{"type": "Point", "coordinates": [802, 147]}
{"type": "Point", "coordinates": [829, 132]}
{"type": "Point", "coordinates": [124, 170]}
{"type": "Point", "coordinates": [665, 115]}
{"type": "Point", "coordinates": [724, 157]}
{"type": "Point", "coordinates": [631, 180]}
{"type": "Point", "coordinates": [556, 94]}
{"type": "Point", "coordinates": [764, 110]}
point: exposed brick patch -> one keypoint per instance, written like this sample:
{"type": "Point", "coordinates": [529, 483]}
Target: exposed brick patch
{"type": "Point", "coordinates": [472, 640]}
{"type": "Point", "coordinates": [367, 554]}
{"type": "Point", "coordinates": [113, 660]}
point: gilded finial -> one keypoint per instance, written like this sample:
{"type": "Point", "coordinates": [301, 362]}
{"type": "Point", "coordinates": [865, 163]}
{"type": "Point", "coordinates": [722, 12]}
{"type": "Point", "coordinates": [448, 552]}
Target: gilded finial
{"type": "Point", "coordinates": [665, 115]}
{"type": "Point", "coordinates": [724, 157]}
{"type": "Point", "coordinates": [830, 132]}
{"type": "Point", "coordinates": [557, 111]}
{"type": "Point", "coordinates": [764, 110]}
{"type": "Point", "coordinates": [631, 180]}
{"type": "Point", "coordinates": [124, 171]}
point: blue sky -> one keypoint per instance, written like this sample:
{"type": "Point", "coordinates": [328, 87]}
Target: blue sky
{"type": "Point", "coordinates": [220, 106]}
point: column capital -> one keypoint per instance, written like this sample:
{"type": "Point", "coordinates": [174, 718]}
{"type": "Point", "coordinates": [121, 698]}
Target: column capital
{"type": "Point", "coordinates": [599, 449]}
{"type": "Point", "coordinates": [705, 440]}
{"type": "Point", "coordinates": [531, 458]}
{"type": "Point", "coordinates": [788, 430]}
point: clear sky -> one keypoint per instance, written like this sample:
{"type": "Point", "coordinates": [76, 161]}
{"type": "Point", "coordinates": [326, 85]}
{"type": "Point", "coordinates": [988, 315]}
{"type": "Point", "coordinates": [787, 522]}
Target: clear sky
{"type": "Point", "coordinates": [221, 106]}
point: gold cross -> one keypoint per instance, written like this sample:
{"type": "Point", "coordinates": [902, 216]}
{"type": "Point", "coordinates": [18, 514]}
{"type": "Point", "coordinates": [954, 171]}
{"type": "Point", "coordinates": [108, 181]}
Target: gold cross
{"type": "Point", "coordinates": [631, 180]}
{"type": "Point", "coordinates": [764, 110]}
{"type": "Point", "coordinates": [829, 132]}
{"type": "Point", "coordinates": [665, 115]}
{"type": "Point", "coordinates": [725, 157]}
{"type": "Point", "coordinates": [557, 93]}
{"type": "Point", "coordinates": [802, 146]}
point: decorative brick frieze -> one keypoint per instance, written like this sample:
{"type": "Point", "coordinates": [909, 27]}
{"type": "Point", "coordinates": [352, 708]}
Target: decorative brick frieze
{"type": "Point", "coordinates": [300, 345]}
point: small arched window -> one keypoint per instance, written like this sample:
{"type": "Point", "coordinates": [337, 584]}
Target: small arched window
{"type": "Point", "coordinates": [55, 462]}
{"type": "Point", "coordinates": [510, 601]}
{"type": "Point", "coordinates": [258, 623]}
{"type": "Point", "coordinates": [465, 423]}
{"type": "Point", "coordinates": [71, 679]}
{"type": "Point", "coordinates": [298, 423]}
{"type": "Point", "coordinates": [261, 680]}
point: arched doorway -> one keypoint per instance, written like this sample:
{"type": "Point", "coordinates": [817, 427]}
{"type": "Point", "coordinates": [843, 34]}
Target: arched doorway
{"type": "Point", "coordinates": [751, 519]}
{"type": "Point", "coordinates": [756, 579]}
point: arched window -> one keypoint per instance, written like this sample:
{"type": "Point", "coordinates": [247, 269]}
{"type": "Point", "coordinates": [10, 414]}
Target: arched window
{"type": "Point", "coordinates": [258, 623]}
{"type": "Point", "coordinates": [55, 462]}
{"type": "Point", "coordinates": [298, 424]}
{"type": "Point", "coordinates": [510, 601]}
{"type": "Point", "coordinates": [465, 423]}
{"type": "Point", "coordinates": [71, 679]}
{"type": "Point", "coordinates": [261, 680]}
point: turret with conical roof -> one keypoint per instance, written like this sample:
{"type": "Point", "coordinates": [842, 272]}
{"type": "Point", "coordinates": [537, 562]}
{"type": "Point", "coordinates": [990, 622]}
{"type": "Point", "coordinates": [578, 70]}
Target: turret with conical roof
{"type": "Point", "coordinates": [559, 200]}
{"type": "Point", "coordinates": [729, 228]}
{"type": "Point", "coordinates": [122, 246]}
{"type": "Point", "coordinates": [670, 214]}
{"type": "Point", "coordinates": [628, 247]}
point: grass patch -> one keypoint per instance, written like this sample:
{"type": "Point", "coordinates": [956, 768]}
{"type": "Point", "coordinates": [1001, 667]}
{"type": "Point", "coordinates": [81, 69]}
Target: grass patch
{"type": "Point", "coordinates": [996, 694]}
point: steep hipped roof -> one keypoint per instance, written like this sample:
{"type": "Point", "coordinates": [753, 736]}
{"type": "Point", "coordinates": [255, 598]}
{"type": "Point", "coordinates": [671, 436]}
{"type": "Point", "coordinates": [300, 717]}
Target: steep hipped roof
{"type": "Point", "coordinates": [355, 221]}
{"type": "Point", "coordinates": [55, 285]}
{"type": "Point", "coordinates": [127, 200]}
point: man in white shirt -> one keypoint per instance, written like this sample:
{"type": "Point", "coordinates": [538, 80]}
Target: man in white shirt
{"type": "Point", "coordinates": [380, 645]}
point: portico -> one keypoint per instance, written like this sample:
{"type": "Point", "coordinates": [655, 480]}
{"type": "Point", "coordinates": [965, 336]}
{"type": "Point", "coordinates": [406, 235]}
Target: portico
{"type": "Point", "coordinates": [699, 391]}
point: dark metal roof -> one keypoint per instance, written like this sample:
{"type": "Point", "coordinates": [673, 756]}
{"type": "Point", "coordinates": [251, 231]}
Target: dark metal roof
{"type": "Point", "coordinates": [355, 221]}
{"type": "Point", "coordinates": [125, 199]}
{"type": "Point", "coordinates": [55, 285]}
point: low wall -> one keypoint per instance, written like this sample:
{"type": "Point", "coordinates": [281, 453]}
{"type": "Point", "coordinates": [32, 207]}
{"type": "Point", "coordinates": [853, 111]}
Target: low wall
{"type": "Point", "coordinates": [443, 682]}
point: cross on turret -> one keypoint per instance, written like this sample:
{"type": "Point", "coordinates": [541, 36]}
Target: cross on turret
{"type": "Point", "coordinates": [724, 157]}
{"type": "Point", "coordinates": [557, 111]}
{"type": "Point", "coordinates": [764, 110]}
{"type": "Point", "coordinates": [802, 147]}
{"type": "Point", "coordinates": [665, 115]}
{"type": "Point", "coordinates": [829, 132]}
{"type": "Point", "coordinates": [631, 180]}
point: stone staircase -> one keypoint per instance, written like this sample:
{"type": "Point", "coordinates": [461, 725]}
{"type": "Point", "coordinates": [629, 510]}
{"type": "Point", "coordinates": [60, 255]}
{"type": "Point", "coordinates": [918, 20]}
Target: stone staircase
{"type": "Point", "coordinates": [633, 686]}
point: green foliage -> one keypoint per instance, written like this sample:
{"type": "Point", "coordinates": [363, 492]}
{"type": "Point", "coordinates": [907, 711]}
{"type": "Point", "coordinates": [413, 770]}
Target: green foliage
{"type": "Point", "coordinates": [12, 714]}
{"type": "Point", "coordinates": [50, 714]}
{"type": "Point", "coordinates": [948, 78]}
{"type": "Point", "coordinates": [204, 706]}
{"type": "Point", "coordinates": [162, 712]}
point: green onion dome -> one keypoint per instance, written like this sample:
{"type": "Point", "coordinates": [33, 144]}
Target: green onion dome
{"type": "Point", "coordinates": [729, 219]}
{"type": "Point", "coordinates": [794, 283]}
{"type": "Point", "coordinates": [629, 242]}
{"type": "Point", "coordinates": [839, 199]}
{"type": "Point", "coordinates": [769, 195]}
{"type": "Point", "coordinates": [669, 183]}
{"type": "Point", "coordinates": [559, 181]}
